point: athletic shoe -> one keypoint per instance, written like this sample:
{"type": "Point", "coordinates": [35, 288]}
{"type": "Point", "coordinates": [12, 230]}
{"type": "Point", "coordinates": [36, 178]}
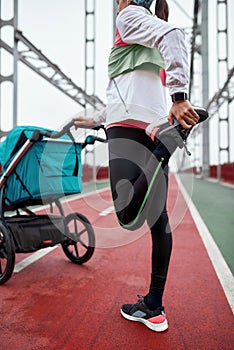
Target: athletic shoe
{"type": "Point", "coordinates": [157, 130]}
{"type": "Point", "coordinates": [139, 312]}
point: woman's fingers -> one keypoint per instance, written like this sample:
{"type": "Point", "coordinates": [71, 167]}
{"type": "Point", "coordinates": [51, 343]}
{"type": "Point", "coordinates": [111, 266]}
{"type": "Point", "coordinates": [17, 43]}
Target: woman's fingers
{"type": "Point", "coordinates": [184, 113]}
{"type": "Point", "coordinates": [83, 122]}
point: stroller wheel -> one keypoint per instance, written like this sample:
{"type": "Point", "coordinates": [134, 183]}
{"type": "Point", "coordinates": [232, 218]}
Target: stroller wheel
{"type": "Point", "coordinates": [7, 255]}
{"type": "Point", "coordinates": [80, 240]}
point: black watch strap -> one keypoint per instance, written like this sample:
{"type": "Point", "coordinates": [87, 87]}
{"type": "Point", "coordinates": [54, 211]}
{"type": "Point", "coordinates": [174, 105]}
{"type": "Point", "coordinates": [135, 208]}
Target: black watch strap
{"type": "Point", "coordinates": [179, 96]}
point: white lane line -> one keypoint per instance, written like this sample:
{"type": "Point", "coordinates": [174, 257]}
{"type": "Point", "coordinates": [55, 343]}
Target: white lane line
{"type": "Point", "coordinates": [107, 211]}
{"type": "Point", "coordinates": [222, 270]}
{"type": "Point", "coordinates": [71, 198]}
{"type": "Point", "coordinates": [32, 258]}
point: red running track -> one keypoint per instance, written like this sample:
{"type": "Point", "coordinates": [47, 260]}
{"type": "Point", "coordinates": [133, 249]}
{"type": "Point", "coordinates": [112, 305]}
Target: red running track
{"type": "Point", "coordinates": [54, 304]}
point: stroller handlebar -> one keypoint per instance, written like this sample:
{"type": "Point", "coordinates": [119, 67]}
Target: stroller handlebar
{"type": "Point", "coordinates": [65, 130]}
{"type": "Point", "coordinates": [39, 134]}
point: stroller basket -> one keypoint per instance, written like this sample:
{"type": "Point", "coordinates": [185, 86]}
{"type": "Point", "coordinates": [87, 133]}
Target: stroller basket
{"type": "Point", "coordinates": [49, 170]}
{"type": "Point", "coordinates": [31, 233]}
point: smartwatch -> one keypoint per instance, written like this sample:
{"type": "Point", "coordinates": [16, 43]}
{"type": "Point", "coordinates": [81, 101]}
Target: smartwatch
{"type": "Point", "coordinates": [179, 96]}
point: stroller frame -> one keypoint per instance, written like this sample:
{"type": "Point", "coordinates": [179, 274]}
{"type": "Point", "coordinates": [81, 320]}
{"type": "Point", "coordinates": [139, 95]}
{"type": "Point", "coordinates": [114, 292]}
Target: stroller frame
{"type": "Point", "coordinates": [27, 231]}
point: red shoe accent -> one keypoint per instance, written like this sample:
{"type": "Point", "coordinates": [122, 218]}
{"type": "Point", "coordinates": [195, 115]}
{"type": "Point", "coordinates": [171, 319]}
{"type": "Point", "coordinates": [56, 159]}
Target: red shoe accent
{"type": "Point", "coordinates": [153, 133]}
{"type": "Point", "coordinates": [157, 319]}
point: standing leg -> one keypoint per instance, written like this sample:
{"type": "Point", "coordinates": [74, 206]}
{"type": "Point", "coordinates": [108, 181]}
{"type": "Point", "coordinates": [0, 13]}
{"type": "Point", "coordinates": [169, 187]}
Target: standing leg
{"type": "Point", "coordinates": [149, 309]}
{"type": "Point", "coordinates": [161, 253]}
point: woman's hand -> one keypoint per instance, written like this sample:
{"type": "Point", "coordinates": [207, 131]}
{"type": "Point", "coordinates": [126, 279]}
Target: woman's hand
{"type": "Point", "coordinates": [184, 113]}
{"type": "Point", "coordinates": [84, 122]}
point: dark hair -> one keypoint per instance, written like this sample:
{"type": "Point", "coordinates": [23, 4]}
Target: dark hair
{"type": "Point", "coordinates": [162, 9]}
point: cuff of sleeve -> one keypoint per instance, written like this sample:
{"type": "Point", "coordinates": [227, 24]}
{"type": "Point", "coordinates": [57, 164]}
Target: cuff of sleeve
{"type": "Point", "coordinates": [175, 89]}
{"type": "Point", "coordinates": [99, 117]}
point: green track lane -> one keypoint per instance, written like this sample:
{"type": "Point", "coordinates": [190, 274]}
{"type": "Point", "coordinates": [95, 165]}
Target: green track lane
{"type": "Point", "coordinates": [215, 203]}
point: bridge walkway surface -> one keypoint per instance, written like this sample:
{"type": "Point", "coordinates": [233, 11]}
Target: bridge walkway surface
{"type": "Point", "coordinates": [50, 303]}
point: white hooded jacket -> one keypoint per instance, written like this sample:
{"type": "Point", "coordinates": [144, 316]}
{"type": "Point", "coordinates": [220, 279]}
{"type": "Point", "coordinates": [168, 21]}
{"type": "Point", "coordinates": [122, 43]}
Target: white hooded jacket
{"type": "Point", "coordinates": [139, 95]}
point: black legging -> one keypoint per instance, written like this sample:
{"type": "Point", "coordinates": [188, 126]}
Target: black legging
{"type": "Point", "coordinates": [133, 158]}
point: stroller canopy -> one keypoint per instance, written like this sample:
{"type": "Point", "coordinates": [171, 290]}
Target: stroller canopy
{"type": "Point", "coordinates": [50, 169]}
{"type": "Point", "coordinates": [14, 141]}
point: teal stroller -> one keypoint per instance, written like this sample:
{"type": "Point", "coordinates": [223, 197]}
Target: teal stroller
{"type": "Point", "coordinates": [38, 168]}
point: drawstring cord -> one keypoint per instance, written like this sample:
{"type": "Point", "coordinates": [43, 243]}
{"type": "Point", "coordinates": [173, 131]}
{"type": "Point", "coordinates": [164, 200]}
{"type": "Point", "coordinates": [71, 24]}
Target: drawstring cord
{"type": "Point", "coordinates": [121, 98]}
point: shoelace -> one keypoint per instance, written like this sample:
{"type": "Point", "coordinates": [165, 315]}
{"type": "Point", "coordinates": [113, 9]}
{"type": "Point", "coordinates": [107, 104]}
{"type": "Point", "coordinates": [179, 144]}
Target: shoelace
{"type": "Point", "coordinates": [140, 298]}
{"type": "Point", "coordinates": [186, 149]}
{"type": "Point", "coordinates": [177, 138]}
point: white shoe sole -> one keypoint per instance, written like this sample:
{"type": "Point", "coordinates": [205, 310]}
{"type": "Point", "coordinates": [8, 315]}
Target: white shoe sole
{"type": "Point", "coordinates": [157, 327]}
{"type": "Point", "coordinates": [150, 128]}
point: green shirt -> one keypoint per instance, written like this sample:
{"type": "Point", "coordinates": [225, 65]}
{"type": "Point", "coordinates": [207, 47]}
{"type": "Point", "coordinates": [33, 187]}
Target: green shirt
{"type": "Point", "coordinates": [125, 59]}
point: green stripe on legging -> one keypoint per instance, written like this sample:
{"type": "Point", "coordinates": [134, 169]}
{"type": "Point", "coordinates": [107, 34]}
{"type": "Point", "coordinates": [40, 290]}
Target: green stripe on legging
{"type": "Point", "coordinates": [131, 224]}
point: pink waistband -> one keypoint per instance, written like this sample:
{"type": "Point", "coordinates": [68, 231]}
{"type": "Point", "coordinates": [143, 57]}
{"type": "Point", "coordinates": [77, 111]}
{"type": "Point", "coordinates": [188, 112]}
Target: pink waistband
{"type": "Point", "coordinates": [129, 124]}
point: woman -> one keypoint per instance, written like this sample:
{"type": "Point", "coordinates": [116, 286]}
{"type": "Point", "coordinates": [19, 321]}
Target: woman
{"type": "Point", "coordinates": [140, 139]}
